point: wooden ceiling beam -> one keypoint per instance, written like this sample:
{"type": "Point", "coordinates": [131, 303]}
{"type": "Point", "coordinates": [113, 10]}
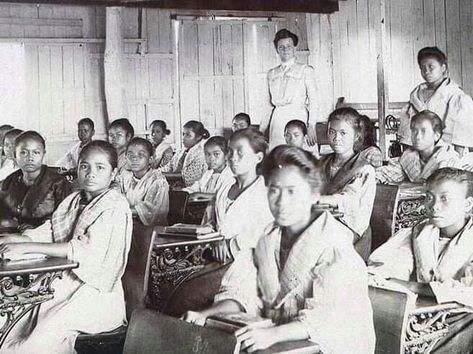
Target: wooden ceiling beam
{"type": "Point", "coordinates": [309, 6]}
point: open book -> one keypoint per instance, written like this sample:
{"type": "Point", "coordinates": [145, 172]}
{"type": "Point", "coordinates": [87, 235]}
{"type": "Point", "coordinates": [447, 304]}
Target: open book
{"type": "Point", "coordinates": [233, 321]}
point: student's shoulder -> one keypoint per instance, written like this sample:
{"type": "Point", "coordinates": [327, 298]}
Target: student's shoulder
{"type": "Point", "coordinates": [117, 201]}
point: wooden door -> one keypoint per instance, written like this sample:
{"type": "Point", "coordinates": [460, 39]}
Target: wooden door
{"type": "Point", "coordinates": [222, 68]}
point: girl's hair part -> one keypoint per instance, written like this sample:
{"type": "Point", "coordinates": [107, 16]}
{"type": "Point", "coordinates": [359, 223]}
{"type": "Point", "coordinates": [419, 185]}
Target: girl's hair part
{"type": "Point", "coordinates": [162, 125]}
{"type": "Point", "coordinates": [143, 142]}
{"type": "Point", "coordinates": [219, 141]}
{"type": "Point", "coordinates": [285, 33]}
{"type": "Point", "coordinates": [452, 174]}
{"type": "Point", "coordinates": [198, 128]}
{"type": "Point", "coordinates": [286, 155]}
{"type": "Point", "coordinates": [257, 141]}
{"type": "Point", "coordinates": [103, 147]}
{"type": "Point", "coordinates": [432, 117]}
{"type": "Point", "coordinates": [298, 124]}
{"type": "Point", "coordinates": [124, 124]}
{"type": "Point", "coordinates": [352, 117]}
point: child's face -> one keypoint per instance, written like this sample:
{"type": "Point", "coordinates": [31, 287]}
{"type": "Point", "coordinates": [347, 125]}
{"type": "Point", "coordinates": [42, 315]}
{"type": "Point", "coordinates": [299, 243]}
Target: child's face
{"type": "Point", "coordinates": [290, 197]}
{"type": "Point", "coordinates": [286, 49]}
{"type": "Point", "coordinates": [423, 135]}
{"type": "Point", "coordinates": [29, 156]}
{"type": "Point", "coordinates": [446, 203]}
{"type": "Point", "coordinates": [242, 158]}
{"type": "Point", "coordinates": [432, 70]}
{"type": "Point", "coordinates": [85, 132]}
{"type": "Point", "coordinates": [138, 158]}
{"type": "Point", "coordinates": [119, 138]}
{"type": "Point", "coordinates": [8, 147]}
{"type": "Point", "coordinates": [294, 136]}
{"type": "Point", "coordinates": [95, 173]}
{"type": "Point", "coordinates": [189, 138]}
{"type": "Point", "coordinates": [341, 136]}
{"type": "Point", "coordinates": [157, 134]}
{"type": "Point", "coordinates": [239, 124]}
{"type": "Point", "coordinates": [215, 157]}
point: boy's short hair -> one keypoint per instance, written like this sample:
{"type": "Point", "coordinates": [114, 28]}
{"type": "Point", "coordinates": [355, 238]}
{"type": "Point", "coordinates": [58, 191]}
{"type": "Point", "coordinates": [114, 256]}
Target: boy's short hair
{"type": "Point", "coordinates": [87, 121]}
{"type": "Point", "coordinates": [142, 142]}
{"type": "Point", "coordinates": [432, 52]}
{"type": "Point", "coordinates": [124, 124]}
{"type": "Point", "coordinates": [298, 124]}
{"type": "Point", "coordinates": [219, 141]}
{"type": "Point", "coordinates": [21, 136]}
{"type": "Point", "coordinates": [452, 174]}
{"type": "Point", "coordinates": [243, 116]}
{"type": "Point", "coordinates": [432, 117]}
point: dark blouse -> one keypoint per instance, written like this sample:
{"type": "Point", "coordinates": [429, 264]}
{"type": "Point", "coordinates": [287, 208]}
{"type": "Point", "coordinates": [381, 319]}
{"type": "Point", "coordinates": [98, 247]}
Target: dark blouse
{"type": "Point", "coordinates": [32, 205]}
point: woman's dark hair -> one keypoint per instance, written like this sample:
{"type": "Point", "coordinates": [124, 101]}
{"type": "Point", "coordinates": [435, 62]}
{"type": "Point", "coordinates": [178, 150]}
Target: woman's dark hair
{"type": "Point", "coordinates": [452, 174]}
{"type": "Point", "coordinates": [101, 146]}
{"type": "Point", "coordinates": [198, 128]}
{"type": "Point", "coordinates": [432, 117]}
{"type": "Point", "coordinates": [162, 125]}
{"type": "Point", "coordinates": [432, 52]}
{"type": "Point", "coordinates": [285, 33]}
{"type": "Point", "coordinates": [243, 116]}
{"type": "Point", "coordinates": [21, 136]}
{"type": "Point", "coordinates": [143, 142]}
{"type": "Point", "coordinates": [219, 141]}
{"type": "Point", "coordinates": [256, 139]}
{"type": "Point", "coordinates": [124, 124]}
{"type": "Point", "coordinates": [86, 121]}
{"type": "Point", "coordinates": [298, 124]}
{"type": "Point", "coordinates": [368, 136]}
{"type": "Point", "coordinates": [349, 115]}
{"type": "Point", "coordinates": [286, 155]}
{"type": "Point", "coordinates": [5, 127]}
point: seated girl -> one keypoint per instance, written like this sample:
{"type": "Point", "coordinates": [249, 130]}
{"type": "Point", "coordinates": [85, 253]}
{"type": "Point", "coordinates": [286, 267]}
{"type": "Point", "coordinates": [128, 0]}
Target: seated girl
{"type": "Point", "coordinates": [351, 184]}
{"type": "Point", "coordinates": [146, 189]}
{"type": "Point", "coordinates": [369, 151]}
{"type": "Point", "coordinates": [190, 160]}
{"type": "Point", "coordinates": [120, 133]}
{"type": "Point", "coordinates": [30, 195]}
{"type": "Point", "coordinates": [162, 150]}
{"type": "Point", "coordinates": [428, 153]}
{"type": "Point", "coordinates": [441, 95]}
{"type": "Point", "coordinates": [92, 227]}
{"type": "Point", "coordinates": [239, 212]}
{"type": "Point", "coordinates": [3, 130]}
{"type": "Point", "coordinates": [295, 134]}
{"type": "Point", "coordinates": [435, 257]}
{"type": "Point", "coordinates": [241, 121]}
{"type": "Point", "coordinates": [218, 174]}
{"type": "Point", "coordinates": [304, 273]}
{"type": "Point", "coordinates": [8, 165]}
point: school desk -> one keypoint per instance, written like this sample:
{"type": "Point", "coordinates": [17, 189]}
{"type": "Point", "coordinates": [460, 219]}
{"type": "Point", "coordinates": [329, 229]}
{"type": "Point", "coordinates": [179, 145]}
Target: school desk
{"type": "Point", "coordinates": [25, 285]}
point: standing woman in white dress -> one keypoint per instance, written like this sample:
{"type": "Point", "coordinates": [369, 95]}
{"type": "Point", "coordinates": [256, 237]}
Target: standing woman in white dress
{"type": "Point", "coordinates": [293, 90]}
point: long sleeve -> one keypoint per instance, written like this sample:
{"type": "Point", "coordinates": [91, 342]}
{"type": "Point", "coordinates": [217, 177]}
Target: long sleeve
{"type": "Point", "coordinates": [395, 258]}
{"type": "Point", "coordinates": [454, 291]}
{"type": "Point", "coordinates": [462, 107]}
{"type": "Point", "coordinates": [312, 95]}
{"type": "Point", "coordinates": [339, 305]}
{"type": "Point", "coordinates": [356, 199]}
{"type": "Point", "coordinates": [240, 283]}
{"type": "Point", "coordinates": [155, 206]}
{"type": "Point", "coordinates": [102, 250]}
{"type": "Point", "coordinates": [392, 173]}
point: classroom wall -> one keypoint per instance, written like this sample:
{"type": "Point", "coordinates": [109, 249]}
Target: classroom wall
{"type": "Point", "coordinates": [51, 61]}
{"type": "Point", "coordinates": [343, 46]}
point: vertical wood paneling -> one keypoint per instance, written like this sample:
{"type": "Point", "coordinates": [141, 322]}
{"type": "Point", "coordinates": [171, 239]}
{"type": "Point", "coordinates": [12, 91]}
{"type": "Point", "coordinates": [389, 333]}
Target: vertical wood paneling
{"type": "Point", "coordinates": [452, 13]}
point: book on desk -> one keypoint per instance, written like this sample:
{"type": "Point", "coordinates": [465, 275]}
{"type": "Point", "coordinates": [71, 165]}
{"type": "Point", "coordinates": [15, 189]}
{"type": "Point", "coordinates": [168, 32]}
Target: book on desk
{"type": "Point", "coordinates": [199, 232]}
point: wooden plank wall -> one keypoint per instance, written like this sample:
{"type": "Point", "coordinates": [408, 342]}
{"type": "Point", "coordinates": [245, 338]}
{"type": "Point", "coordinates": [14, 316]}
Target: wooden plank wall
{"type": "Point", "coordinates": [343, 48]}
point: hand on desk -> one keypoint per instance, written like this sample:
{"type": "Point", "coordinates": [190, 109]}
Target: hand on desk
{"type": "Point", "coordinates": [253, 339]}
{"type": "Point", "coordinates": [194, 317]}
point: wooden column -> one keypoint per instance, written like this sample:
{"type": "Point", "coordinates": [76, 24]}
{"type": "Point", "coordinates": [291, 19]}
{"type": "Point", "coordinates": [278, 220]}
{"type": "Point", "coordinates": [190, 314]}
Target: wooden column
{"type": "Point", "coordinates": [382, 75]}
{"type": "Point", "coordinates": [114, 65]}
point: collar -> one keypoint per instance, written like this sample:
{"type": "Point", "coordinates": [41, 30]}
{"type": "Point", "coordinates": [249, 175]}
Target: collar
{"type": "Point", "coordinates": [288, 63]}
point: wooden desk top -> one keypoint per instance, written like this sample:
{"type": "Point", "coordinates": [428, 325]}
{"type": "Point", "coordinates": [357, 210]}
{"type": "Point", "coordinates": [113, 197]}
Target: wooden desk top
{"type": "Point", "coordinates": [425, 304]}
{"type": "Point", "coordinates": [35, 266]}
{"type": "Point", "coordinates": [163, 239]}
